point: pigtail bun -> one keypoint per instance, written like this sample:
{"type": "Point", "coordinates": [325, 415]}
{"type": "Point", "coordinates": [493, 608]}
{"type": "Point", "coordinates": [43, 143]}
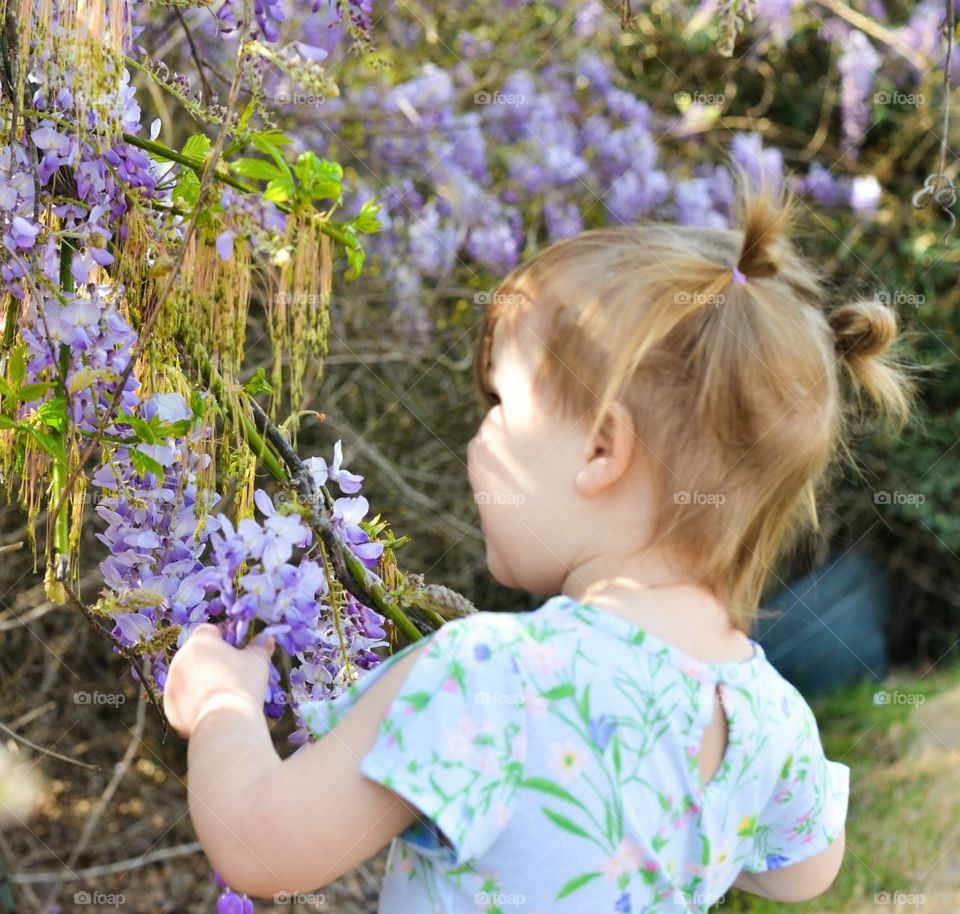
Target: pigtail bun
{"type": "Point", "coordinates": [765, 215]}
{"type": "Point", "coordinates": [864, 333]}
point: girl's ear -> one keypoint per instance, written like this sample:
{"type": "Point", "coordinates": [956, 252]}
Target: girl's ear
{"type": "Point", "coordinates": [609, 453]}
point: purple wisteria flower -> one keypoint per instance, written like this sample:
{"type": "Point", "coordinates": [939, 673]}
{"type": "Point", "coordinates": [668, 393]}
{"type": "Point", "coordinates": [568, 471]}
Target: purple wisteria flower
{"type": "Point", "coordinates": [858, 67]}
{"type": "Point", "coordinates": [250, 216]}
{"type": "Point", "coordinates": [173, 563]}
{"type": "Point", "coordinates": [232, 903]}
{"type": "Point", "coordinates": [348, 482]}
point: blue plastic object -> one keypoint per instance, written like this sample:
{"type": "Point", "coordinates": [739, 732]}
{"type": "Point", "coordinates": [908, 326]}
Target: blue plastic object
{"type": "Point", "coordinates": [829, 630]}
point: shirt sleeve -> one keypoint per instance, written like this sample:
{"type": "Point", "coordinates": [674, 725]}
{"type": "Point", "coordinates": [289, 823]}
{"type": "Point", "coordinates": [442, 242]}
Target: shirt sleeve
{"type": "Point", "coordinates": [453, 742]}
{"type": "Point", "coordinates": [808, 809]}
{"type": "Point", "coordinates": [320, 716]}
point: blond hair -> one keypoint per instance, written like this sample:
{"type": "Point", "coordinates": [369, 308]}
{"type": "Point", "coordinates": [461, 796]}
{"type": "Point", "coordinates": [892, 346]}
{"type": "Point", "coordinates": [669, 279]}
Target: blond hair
{"type": "Point", "coordinates": [735, 388]}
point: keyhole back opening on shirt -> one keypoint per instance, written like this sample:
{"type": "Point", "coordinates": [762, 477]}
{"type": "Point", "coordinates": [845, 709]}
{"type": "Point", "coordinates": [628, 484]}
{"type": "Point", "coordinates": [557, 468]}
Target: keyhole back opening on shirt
{"type": "Point", "coordinates": [713, 746]}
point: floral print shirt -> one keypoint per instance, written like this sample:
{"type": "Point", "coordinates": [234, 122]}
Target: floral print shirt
{"type": "Point", "coordinates": [554, 755]}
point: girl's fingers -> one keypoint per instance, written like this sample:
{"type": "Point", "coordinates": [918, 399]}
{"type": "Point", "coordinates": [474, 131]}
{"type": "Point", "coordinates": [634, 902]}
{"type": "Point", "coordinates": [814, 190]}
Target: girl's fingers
{"type": "Point", "coordinates": [267, 643]}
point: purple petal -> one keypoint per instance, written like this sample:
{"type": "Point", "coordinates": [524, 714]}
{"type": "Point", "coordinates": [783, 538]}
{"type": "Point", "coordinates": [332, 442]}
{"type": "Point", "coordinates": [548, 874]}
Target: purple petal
{"type": "Point", "coordinates": [264, 503]}
{"type": "Point", "coordinates": [348, 482]}
{"type": "Point", "coordinates": [81, 266]}
{"type": "Point", "coordinates": [225, 244]}
{"type": "Point", "coordinates": [24, 233]}
{"type": "Point", "coordinates": [101, 256]}
{"type": "Point", "coordinates": [308, 51]}
{"type": "Point", "coordinates": [48, 138]}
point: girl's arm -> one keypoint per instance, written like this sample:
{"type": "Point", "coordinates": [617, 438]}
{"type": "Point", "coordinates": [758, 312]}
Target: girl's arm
{"type": "Point", "coordinates": [269, 825]}
{"type": "Point", "coordinates": [800, 881]}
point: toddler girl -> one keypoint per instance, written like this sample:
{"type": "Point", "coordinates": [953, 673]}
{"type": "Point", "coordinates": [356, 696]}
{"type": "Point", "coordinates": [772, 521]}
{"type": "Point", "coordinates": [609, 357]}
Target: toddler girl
{"type": "Point", "coordinates": [663, 405]}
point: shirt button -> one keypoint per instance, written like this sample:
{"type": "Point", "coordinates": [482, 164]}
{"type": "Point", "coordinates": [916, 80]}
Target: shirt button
{"type": "Point", "coordinates": [731, 672]}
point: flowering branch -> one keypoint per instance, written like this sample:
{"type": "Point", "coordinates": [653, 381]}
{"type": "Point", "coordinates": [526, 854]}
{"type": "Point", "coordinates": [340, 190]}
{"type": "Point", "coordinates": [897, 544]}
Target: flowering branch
{"type": "Point", "coordinates": [73, 600]}
{"type": "Point", "coordinates": [434, 602]}
{"type": "Point", "coordinates": [144, 332]}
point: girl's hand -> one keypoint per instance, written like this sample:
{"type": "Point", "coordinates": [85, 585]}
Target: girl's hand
{"type": "Point", "coordinates": [207, 667]}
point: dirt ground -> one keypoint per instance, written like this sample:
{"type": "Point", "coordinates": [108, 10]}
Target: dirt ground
{"type": "Point", "coordinates": [112, 816]}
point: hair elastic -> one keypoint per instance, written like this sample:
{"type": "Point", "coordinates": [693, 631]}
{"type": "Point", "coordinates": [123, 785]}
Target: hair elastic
{"type": "Point", "coordinates": [738, 275]}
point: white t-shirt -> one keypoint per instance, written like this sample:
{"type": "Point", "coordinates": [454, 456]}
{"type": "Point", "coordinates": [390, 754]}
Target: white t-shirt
{"type": "Point", "coordinates": [558, 752]}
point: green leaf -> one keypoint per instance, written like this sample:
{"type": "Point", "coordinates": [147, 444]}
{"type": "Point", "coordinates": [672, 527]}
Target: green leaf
{"type": "Point", "coordinates": [785, 771]}
{"type": "Point", "coordinates": [53, 446]}
{"type": "Point", "coordinates": [33, 391]}
{"type": "Point", "coordinates": [186, 190]}
{"type": "Point", "coordinates": [566, 690]}
{"type": "Point", "coordinates": [247, 114]}
{"type": "Point", "coordinates": [319, 178]}
{"type": "Point", "coordinates": [257, 169]}
{"type": "Point", "coordinates": [143, 463]}
{"type": "Point", "coordinates": [583, 706]}
{"type": "Point", "coordinates": [258, 384]}
{"type": "Point", "coordinates": [576, 883]}
{"type": "Point", "coordinates": [279, 191]}
{"type": "Point", "coordinates": [197, 147]}
{"type": "Point", "coordinates": [366, 220]}
{"type": "Point", "coordinates": [18, 366]}
{"type": "Point", "coordinates": [545, 785]}
{"type": "Point", "coordinates": [266, 143]}
{"type": "Point", "coordinates": [419, 700]}
{"type": "Point", "coordinates": [7, 422]}
{"type": "Point", "coordinates": [355, 257]}
{"type": "Point", "coordinates": [269, 139]}
{"type": "Point", "coordinates": [145, 430]}
{"type": "Point", "coordinates": [197, 405]}
{"type": "Point", "coordinates": [564, 823]}
{"type": "Point", "coordinates": [53, 413]}
{"type": "Point", "coordinates": [176, 429]}
{"type": "Point", "coordinates": [5, 388]}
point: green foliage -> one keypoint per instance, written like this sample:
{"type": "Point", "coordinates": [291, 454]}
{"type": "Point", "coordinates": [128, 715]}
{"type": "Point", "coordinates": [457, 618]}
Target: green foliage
{"type": "Point", "coordinates": [258, 384]}
{"type": "Point", "coordinates": [187, 187]}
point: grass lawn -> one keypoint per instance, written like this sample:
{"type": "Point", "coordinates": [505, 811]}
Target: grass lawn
{"type": "Point", "coordinates": [903, 825]}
